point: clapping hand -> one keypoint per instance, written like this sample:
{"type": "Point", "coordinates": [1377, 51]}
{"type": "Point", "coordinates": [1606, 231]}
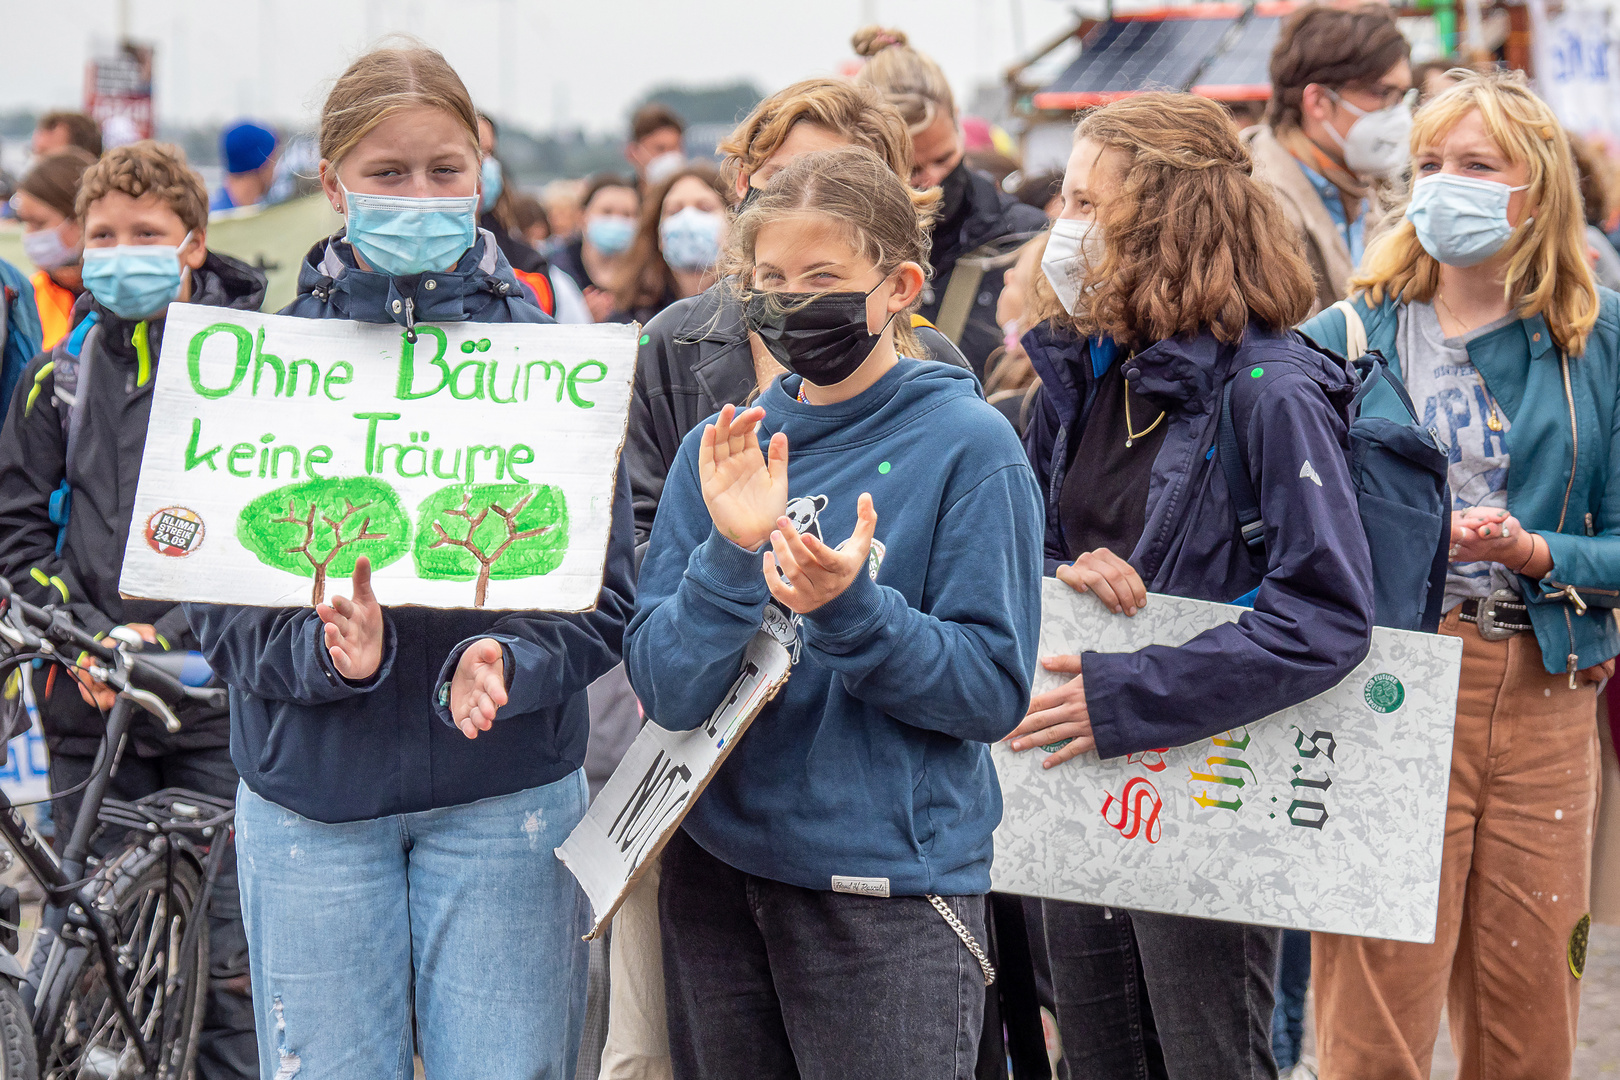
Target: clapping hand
{"type": "Point", "coordinates": [744, 492]}
{"type": "Point", "coordinates": [478, 688]}
{"type": "Point", "coordinates": [815, 573]}
{"type": "Point", "coordinates": [354, 627]}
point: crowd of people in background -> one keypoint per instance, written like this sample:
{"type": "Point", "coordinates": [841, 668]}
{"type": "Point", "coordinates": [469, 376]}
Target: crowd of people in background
{"type": "Point", "coordinates": [860, 276]}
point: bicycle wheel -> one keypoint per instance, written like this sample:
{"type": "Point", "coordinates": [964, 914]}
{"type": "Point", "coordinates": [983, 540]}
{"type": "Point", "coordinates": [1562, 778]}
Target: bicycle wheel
{"type": "Point", "coordinates": [79, 1033]}
{"type": "Point", "coordinates": [19, 1059]}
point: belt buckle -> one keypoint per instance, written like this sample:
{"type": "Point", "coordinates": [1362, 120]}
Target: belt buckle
{"type": "Point", "coordinates": [1486, 622]}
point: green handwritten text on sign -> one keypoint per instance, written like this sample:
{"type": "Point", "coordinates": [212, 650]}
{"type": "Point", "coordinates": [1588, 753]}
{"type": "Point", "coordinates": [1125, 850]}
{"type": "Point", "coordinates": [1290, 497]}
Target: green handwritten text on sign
{"type": "Point", "coordinates": [475, 465]}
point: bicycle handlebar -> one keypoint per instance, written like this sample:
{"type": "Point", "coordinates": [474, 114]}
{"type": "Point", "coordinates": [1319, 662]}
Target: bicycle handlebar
{"type": "Point", "coordinates": [159, 674]}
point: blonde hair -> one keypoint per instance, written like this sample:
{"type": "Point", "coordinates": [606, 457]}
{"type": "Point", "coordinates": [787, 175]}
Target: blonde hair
{"type": "Point", "coordinates": [882, 217]}
{"type": "Point", "coordinates": [907, 79]}
{"type": "Point", "coordinates": [1191, 240]}
{"type": "Point", "coordinates": [1547, 273]}
{"type": "Point", "coordinates": [147, 168]}
{"type": "Point", "coordinates": [385, 81]}
{"type": "Point", "coordinates": [853, 112]}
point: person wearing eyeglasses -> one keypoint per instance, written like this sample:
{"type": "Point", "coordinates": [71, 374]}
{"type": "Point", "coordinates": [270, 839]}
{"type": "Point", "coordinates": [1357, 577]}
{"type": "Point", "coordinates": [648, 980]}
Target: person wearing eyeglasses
{"type": "Point", "coordinates": [1337, 124]}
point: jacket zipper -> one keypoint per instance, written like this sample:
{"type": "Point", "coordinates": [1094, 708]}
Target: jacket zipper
{"type": "Point", "coordinates": [1569, 592]}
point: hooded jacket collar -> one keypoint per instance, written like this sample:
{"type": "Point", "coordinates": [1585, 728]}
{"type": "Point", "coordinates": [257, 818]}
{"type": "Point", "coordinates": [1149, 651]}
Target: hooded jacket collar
{"type": "Point", "coordinates": [333, 276]}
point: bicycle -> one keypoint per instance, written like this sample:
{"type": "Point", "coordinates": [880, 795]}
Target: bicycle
{"type": "Point", "coordinates": [117, 980]}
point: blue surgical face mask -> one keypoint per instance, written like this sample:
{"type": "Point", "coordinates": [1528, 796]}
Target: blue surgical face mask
{"type": "Point", "coordinates": [610, 234]}
{"type": "Point", "coordinates": [1460, 220]}
{"type": "Point", "coordinates": [401, 236]}
{"type": "Point", "coordinates": [490, 174]}
{"type": "Point", "coordinates": [134, 281]}
{"type": "Point", "coordinates": [690, 238]}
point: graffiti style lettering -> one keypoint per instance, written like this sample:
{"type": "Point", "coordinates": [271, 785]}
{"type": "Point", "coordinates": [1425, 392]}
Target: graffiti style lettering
{"type": "Point", "coordinates": [1228, 741]}
{"type": "Point", "coordinates": [1315, 740]}
{"type": "Point", "coordinates": [1301, 806]}
{"type": "Point", "coordinates": [657, 798]}
{"type": "Point", "coordinates": [1151, 760]}
{"type": "Point", "coordinates": [1139, 791]}
{"type": "Point", "coordinates": [1311, 813]}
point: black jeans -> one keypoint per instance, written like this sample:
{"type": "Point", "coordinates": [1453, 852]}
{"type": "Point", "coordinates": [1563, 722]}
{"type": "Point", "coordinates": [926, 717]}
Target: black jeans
{"type": "Point", "coordinates": [229, 1049]}
{"type": "Point", "coordinates": [766, 981]}
{"type": "Point", "coordinates": [1141, 995]}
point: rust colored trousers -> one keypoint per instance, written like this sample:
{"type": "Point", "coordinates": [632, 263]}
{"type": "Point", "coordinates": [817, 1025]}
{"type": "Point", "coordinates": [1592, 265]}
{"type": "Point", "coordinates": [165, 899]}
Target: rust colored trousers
{"type": "Point", "coordinates": [1513, 885]}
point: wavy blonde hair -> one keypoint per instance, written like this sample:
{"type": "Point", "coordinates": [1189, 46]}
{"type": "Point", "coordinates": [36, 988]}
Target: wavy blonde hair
{"type": "Point", "coordinates": [849, 110]}
{"type": "Point", "coordinates": [907, 79]}
{"type": "Point", "coordinates": [1191, 241]}
{"type": "Point", "coordinates": [1547, 272]}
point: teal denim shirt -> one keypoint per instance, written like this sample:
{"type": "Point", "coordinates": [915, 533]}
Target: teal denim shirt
{"type": "Point", "coordinates": [1564, 463]}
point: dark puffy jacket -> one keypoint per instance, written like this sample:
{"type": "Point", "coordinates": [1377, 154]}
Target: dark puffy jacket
{"type": "Point", "coordinates": [695, 358]}
{"type": "Point", "coordinates": [115, 400]}
{"type": "Point", "coordinates": [1312, 619]}
{"type": "Point", "coordinates": [311, 741]}
{"type": "Point", "coordinates": [987, 214]}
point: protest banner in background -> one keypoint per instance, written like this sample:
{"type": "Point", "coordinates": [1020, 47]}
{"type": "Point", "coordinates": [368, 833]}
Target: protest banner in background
{"type": "Point", "coordinates": [1326, 816]}
{"type": "Point", "coordinates": [659, 779]}
{"type": "Point", "coordinates": [474, 467]}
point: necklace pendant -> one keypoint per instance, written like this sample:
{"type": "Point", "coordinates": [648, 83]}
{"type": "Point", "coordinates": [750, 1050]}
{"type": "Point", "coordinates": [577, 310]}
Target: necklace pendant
{"type": "Point", "coordinates": [1128, 444]}
{"type": "Point", "coordinates": [1493, 421]}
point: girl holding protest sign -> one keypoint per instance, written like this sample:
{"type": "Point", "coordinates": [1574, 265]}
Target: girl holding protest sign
{"type": "Point", "coordinates": [391, 862]}
{"type": "Point", "coordinates": [822, 906]}
{"type": "Point", "coordinates": [1177, 274]}
{"type": "Point", "coordinates": [1483, 301]}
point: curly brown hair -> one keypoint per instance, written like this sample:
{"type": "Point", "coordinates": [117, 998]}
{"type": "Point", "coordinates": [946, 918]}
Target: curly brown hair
{"type": "Point", "coordinates": [1191, 241]}
{"type": "Point", "coordinates": [147, 168]}
{"type": "Point", "coordinates": [856, 112]}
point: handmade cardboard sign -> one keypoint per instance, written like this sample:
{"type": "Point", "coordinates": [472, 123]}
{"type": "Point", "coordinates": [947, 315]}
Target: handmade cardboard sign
{"type": "Point", "coordinates": [1326, 816]}
{"type": "Point", "coordinates": [661, 776]}
{"type": "Point", "coordinates": [474, 466]}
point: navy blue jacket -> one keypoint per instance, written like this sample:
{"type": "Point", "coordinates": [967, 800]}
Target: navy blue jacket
{"type": "Point", "coordinates": [1312, 618]}
{"type": "Point", "coordinates": [309, 740]}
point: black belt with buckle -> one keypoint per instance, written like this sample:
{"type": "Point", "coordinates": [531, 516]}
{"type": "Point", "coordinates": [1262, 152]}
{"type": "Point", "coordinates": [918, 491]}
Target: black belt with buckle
{"type": "Point", "coordinates": [1499, 616]}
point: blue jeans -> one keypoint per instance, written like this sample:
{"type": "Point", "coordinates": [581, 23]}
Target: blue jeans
{"type": "Point", "coordinates": [1293, 979]}
{"type": "Point", "coordinates": [464, 910]}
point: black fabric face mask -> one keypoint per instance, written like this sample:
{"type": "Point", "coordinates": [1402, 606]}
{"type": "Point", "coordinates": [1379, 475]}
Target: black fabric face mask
{"type": "Point", "coordinates": [821, 337]}
{"type": "Point", "coordinates": [954, 191]}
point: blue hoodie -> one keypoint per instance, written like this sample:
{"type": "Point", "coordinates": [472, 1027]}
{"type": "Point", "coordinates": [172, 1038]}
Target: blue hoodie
{"type": "Point", "coordinates": [872, 762]}
{"type": "Point", "coordinates": [308, 739]}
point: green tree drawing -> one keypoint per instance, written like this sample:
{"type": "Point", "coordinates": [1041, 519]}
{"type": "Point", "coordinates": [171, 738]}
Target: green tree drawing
{"type": "Point", "coordinates": [322, 527]}
{"type": "Point", "coordinates": [468, 532]}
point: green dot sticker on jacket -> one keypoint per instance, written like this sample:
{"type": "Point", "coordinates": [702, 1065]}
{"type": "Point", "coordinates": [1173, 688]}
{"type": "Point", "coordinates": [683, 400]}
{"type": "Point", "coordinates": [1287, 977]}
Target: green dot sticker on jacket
{"type": "Point", "coordinates": [884, 468]}
{"type": "Point", "coordinates": [1384, 693]}
{"type": "Point", "coordinates": [645, 338]}
{"type": "Point", "coordinates": [1257, 372]}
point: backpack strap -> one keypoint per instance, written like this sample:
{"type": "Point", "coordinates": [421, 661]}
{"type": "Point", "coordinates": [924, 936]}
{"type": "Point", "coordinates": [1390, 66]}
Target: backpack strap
{"type": "Point", "coordinates": [72, 376]}
{"type": "Point", "coordinates": [1355, 331]}
{"type": "Point", "coordinates": [1239, 488]}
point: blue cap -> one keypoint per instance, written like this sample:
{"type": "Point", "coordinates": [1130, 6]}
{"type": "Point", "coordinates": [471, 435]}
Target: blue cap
{"type": "Point", "coordinates": [246, 146]}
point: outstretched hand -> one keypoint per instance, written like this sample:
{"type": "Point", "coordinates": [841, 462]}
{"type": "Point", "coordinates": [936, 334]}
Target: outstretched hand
{"type": "Point", "coordinates": [478, 688]}
{"type": "Point", "coordinates": [354, 627]}
{"type": "Point", "coordinates": [744, 492]}
{"type": "Point", "coordinates": [816, 573]}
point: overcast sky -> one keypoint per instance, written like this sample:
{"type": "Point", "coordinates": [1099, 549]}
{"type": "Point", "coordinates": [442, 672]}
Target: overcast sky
{"type": "Point", "coordinates": [531, 61]}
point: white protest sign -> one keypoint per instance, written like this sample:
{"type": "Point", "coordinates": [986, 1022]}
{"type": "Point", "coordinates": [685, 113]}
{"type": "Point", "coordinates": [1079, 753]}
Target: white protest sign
{"type": "Point", "coordinates": [474, 466]}
{"type": "Point", "coordinates": [1326, 816]}
{"type": "Point", "coordinates": [661, 776]}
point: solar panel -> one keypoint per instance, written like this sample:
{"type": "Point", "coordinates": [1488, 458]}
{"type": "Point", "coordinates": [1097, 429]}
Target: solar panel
{"type": "Point", "coordinates": [1243, 70]}
{"type": "Point", "coordinates": [1129, 55]}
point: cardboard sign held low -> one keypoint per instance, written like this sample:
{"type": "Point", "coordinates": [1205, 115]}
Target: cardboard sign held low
{"type": "Point", "coordinates": [474, 466]}
{"type": "Point", "coordinates": [1326, 816]}
{"type": "Point", "coordinates": [661, 776]}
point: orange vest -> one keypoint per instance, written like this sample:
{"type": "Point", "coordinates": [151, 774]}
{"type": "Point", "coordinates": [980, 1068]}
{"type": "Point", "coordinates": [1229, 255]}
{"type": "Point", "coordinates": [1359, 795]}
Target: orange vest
{"type": "Point", "coordinates": [55, 306]}
{"type": "Point", "coordinates": [540, 287]}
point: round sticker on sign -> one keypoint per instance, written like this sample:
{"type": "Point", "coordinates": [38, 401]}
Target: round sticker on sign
{"type": "Point", "coordinates": [174, 531]}
{"type": "Point", "coordinates": [1384, 693]}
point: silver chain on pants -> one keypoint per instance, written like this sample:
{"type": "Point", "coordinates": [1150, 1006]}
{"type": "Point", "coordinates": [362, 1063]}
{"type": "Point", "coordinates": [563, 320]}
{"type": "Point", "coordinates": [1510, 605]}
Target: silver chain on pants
{"type": "Point", "coordinates": [966, 935]}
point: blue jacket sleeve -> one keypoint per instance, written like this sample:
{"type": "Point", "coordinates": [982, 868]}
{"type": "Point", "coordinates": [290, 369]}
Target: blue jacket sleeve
{"type": "Point", "coordinates": [278, 654]}
{"type": "Point", "coordinates": [1312, 618]}
{"type": "Point", "coordinates": [963, 665]}
{"type": "Point", "coordinates": [556, 656]}
{"type": "Point", "coordinates": [701, 601]}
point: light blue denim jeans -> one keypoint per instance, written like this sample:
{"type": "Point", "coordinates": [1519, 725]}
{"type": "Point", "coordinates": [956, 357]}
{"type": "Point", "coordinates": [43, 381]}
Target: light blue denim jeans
{"type": "Point", "coordinates": [465, 908]}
